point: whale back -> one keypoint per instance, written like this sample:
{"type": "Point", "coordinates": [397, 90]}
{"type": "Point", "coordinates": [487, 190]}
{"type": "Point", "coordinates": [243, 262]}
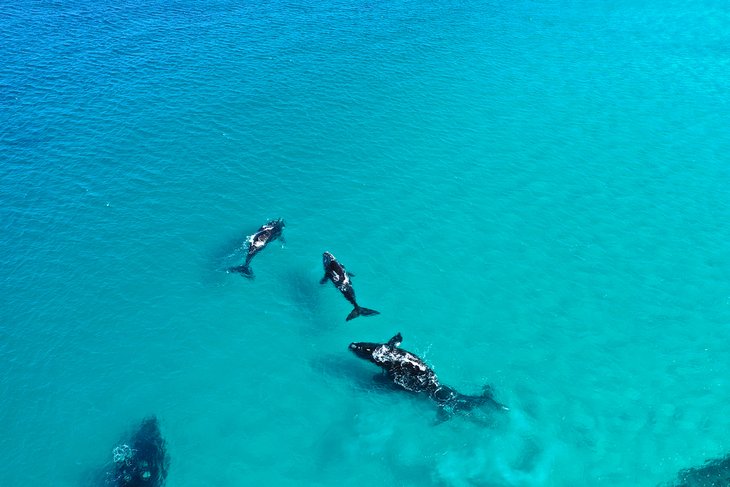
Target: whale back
{"type": "Point", "coordinates": [405, 368]}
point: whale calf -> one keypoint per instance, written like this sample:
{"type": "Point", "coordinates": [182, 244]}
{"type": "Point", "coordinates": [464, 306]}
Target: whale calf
{"type": "Point", "coordinates": [257, 242]}
{"type": "Point", "coordinates": [336, 272]}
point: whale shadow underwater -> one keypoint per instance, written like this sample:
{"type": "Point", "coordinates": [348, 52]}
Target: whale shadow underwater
{"type": "Point", "coordinates": [342, 369]}
{"type": "Point", "coordinates": [305, 296]}
{"type": "Point", "coordinates": [221, 257]}
{"type": "Point", "coordinates": [406, 371]}
{"type": "Point", "coordinates": [140, 460]}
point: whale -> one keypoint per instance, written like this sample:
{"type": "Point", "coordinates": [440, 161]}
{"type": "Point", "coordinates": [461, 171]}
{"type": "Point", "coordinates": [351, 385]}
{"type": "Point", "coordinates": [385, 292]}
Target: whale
{"type": "Point", "coordinates": [143, 461]}
{"type": "Point", "coordinates": [713, 473]}
{"type": "Point", "coordinates": [408, 371]}
{"type": "Point", "coordinates": [257, 242]}
{"type": "Point", "coordinates": [338, 275]}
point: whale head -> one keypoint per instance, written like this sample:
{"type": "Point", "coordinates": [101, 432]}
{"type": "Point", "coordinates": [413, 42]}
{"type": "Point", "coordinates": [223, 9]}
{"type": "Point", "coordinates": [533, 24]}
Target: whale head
{"type": "Point", "coordinates": [327, 258]}
{"type": "Point", "coordinates": [364, 350]}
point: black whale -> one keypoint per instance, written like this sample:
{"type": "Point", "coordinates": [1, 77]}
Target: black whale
{"type": "Point", "coordinates": [142, 462]}
{"type": "Point", "coordinates": [714, 473]}
{"type": "Point", "coordinates": [336, 272]}
{"type": "Point", "coordinates": [411, 373]}
{"type": "Point", "coordinates": [257, 242]}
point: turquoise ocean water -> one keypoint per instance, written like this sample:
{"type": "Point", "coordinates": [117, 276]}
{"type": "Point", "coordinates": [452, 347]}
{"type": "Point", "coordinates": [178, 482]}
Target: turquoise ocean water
{"type": "Point", "coordinates": [535, 193]}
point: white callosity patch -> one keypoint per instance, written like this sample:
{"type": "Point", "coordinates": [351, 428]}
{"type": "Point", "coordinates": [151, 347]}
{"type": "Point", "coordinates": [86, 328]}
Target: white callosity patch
{"type": "Point", "coordinates": [385, 354]}
{"type": "Point", "coordinates": [414, 383]}
{"type": "Point", "coordinates": [341, 283]}
{"type": "Point", "coordinates": [340, 278]}
{"type": "Point", "coordinates": [123, 454]}
{"type": "Point", "coordinates": [407, 370]}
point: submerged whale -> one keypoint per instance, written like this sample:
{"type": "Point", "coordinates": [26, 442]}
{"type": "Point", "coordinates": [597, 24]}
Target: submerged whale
{"type": "Point", "coordinates": [336, 272]}
{"type": "Point", "coordinates": [714, 473]}
{"type": "Point", "coordinates": [142, 462]}
{"type": "Point", "coordinates": [410, 372]}
{"type": "Point", "coordinates": [257, 242]}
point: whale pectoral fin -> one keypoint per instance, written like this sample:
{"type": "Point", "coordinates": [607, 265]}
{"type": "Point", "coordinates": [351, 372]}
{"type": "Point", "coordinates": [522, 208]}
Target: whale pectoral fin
{"type": "Point", "coordinates": [396, 340]}
{"type": "Point", "coordinates": [323, 280]}
{"type": "Point", "coordinates": [487, 397]}
{"type": "Point", "coordinates": [283, 240]}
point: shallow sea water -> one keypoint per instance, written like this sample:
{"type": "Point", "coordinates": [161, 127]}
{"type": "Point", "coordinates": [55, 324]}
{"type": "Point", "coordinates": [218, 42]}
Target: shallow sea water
{"type": "Point", "coordinates": [535, 194]}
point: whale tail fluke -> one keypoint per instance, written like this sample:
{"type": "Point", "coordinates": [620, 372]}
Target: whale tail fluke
{"type": "Point", "coordinates": [488, 398]}
{"type": "Point", "coordinates": [359, 310]}
{"type": "Point", "coordinates": [244, 270]}
{"type": "Point", "coordinates": [496, 405]}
